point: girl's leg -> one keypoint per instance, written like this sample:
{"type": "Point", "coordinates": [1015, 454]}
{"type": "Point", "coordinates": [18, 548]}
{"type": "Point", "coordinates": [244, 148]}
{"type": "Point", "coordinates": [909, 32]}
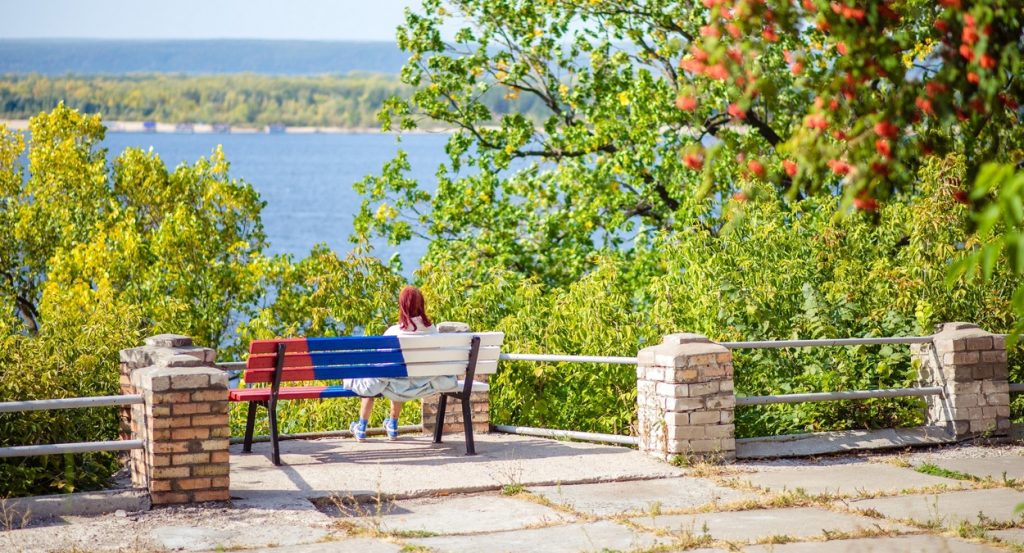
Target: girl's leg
{"type": "Point", "coordinates": [367, 408]}
{"type": "Point", "coordinates": [391, 423]}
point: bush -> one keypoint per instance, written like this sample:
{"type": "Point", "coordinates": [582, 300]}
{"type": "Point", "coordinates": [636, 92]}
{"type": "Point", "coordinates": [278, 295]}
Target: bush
{"type": "Point", "coordinates": [74, 355]}
{"type": "Point", "coordinates": [773, 270]}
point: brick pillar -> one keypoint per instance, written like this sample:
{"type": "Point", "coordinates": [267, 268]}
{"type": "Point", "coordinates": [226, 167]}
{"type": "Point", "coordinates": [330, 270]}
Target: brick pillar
{"type": "Point", "coordinates": [480, 402]}
{"type": "Point", "coordinates": [685, 399]}
{"type": "Point", "coordinates": [970, 365]}
{"type": "Point", "coordinates": [183, 422]}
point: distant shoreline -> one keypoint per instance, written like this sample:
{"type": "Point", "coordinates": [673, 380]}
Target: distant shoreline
{"type": "Point", "coordinates": [147, 127]}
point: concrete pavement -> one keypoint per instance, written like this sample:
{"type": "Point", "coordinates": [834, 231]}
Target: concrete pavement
{"type": "Point", "coordinates": [530, 494]}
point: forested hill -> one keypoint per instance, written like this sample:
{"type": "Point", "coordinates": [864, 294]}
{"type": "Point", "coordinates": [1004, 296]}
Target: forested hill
{"type": "Point", "coordinates": [195, 57]}
{"type": "Point", "coordinates": [347, 101]}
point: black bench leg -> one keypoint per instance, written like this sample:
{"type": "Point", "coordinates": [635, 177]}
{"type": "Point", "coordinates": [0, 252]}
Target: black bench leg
{"type": "Point", "coordinates": [442, 406]}
{"type": "Point", "coordinates": [250, 424]}
{"type": "Point", "coordinates": [272, 408]}
{"type": "Point", "coordinates": [467, 421]}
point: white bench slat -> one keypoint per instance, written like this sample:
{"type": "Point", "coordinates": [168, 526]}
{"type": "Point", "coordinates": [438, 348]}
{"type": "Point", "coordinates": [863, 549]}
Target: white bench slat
{"type": "Point", "coordinates": [443, 369]}
{"type": "Point", "coordinates": [427, 341]}
{"type": "Point", "coordinates": [448, 355]}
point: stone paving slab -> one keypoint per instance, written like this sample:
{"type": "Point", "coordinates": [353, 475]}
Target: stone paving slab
{"type": "Point", "coordinates": [1015, 535]}
{"type": "Point", "coordinates": [851, 479]}
{"type": "Point", "coordinates": [80, 504]}
{"type": "Point", "coordinates": [566, 538]}
{"type": "Point", "coordinates": [203, 537]}
{"type": "Point", "coordinates": [612, 498]}
{"type": "Point", "coordinates": [463, 515]}
{"type": "Point", "coordinates": [923, 543]}
{"type": "Point", "coordinates": [1012, 466]}
{"type": "Point", "coordinates": [754, 525]}
{"type": "Point", "coordinates": [414, 467]}
{"type": "Point", "coordinates": [820, 443]}
{"type": "Point", "coordinates": [360, 545]}
{"type": "Point", "coordinates": [994, 504]}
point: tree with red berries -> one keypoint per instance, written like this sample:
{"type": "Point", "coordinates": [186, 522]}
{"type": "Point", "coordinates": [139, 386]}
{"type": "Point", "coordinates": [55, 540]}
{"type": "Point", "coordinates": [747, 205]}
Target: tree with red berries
{"type": "Point", "coordinates": [706, 166]}
{"type": "Point", "coordinates": [858, 94]}
{"type": "Point", "coordinates": [659, 111]}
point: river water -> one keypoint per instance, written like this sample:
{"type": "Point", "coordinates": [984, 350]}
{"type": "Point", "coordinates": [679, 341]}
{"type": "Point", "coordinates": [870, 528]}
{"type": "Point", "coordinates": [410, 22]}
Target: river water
{"type": "Point", "coordinates": [306, 179]}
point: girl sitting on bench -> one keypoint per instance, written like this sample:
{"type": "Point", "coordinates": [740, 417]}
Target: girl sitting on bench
{"type": "Point", "coordinates": [412, 320]}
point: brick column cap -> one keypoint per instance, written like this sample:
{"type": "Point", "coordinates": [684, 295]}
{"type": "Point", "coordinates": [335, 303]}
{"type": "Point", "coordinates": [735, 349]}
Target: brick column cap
{"type": "Point", "coordinates": [677, 355]}
{"type": "Point", "coordinates": [685, 338]}
{"type": "Point", "coordinates": [169, 340]}
{"type": "Point", "coordinates": [959, 327]}
{"type": "Point", "coordinates": [952, 337]}
{"type": "Point", "coordinates": [160, 378]}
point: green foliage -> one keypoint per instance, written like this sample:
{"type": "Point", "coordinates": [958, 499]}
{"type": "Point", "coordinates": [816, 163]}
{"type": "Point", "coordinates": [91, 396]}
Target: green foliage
{"type": "Point", "coordinates": [595, 316]}
{"type": "Point", "coordinates": [708, 155]}
{"type": "Point", "coordinates": [74, 355]}
{"type": "Point", "coordinates": [781, 270]}
{"type": "Point", "coordinates": [185, 246]}
{"type": "Point", "coordinates": [1000, 232]}
{"type": "Point", "coordinates": [539, 197]}
{"type": "Point", "coordinates": [322, 295]}
{"type": "Point", "coordinates": [658, 105]}
{"type": "Point", "coordinates": [96, 255]}
{"type": "Point", "coordinates": [246, 100]}
{"type": "Point", "coordinates": [860, 94]}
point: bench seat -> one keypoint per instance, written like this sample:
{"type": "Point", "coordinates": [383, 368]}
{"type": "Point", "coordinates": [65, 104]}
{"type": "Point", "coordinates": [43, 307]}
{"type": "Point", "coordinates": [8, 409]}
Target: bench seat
{"type": "Point", "coordinates": [293, 392]}
{"type": "Point", "coordinates": [313, 392]}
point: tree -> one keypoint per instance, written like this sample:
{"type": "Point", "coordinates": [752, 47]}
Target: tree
{"type": "Point", "coordinates": [183, 246]}
{"type": "Point", "coordinates": [866, 91]}
{"type": "Point", "coordinates": [96, 254]}
{"type": "Point", "coordinates": [659, 112]}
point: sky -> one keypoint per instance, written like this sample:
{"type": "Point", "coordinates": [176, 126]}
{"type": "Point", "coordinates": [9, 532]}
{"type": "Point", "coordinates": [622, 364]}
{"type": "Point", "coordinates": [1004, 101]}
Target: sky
{"type": "Point", "coordinates": [194, 19]}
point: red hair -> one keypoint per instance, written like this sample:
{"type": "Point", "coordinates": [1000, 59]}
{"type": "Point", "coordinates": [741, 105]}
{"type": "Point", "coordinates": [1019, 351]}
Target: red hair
{"type": "Point", "coordinates": [410, 304]}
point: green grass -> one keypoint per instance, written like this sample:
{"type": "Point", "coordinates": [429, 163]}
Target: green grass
{"type": "Point", "coordinates": [935, 470]}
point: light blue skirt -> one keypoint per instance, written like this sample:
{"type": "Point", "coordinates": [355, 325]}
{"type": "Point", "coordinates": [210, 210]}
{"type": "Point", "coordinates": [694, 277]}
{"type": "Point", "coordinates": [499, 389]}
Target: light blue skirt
{"type": "Point", "coordinates": [402, 389]}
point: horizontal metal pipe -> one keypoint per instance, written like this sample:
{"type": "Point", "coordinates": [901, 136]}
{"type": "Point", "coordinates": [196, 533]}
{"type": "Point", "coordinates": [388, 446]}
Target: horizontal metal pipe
{"type": "Point", "coordinates": [568, 358]}
{"type": "Point", "coordinates": [57, 449]}
{"type": "Point", "coordinates": [828, 342]}
{"type": "Point", "coordinates": [1017, 388]}
{"type": "Point", "coordinates": [838, 396]}
{"type": "Point", "coordinates": [570, 434]}
{"type": "Point", "coordinates": [231, 365]}
{"type": "Point", "coordinates": [329, 434]}
{"type": "Point", "coordinates": [68, 403]}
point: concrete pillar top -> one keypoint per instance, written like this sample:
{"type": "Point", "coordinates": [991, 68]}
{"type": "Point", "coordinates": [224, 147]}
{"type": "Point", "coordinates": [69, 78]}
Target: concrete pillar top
{"type": "Point", "coordinates": [678, 349]}
{"type": "Point", "coordinates": [168, 340]}
{"type": "Point", "coordinates": [951, 327]}
{"type": "Point", "coordinates": [684, 338]}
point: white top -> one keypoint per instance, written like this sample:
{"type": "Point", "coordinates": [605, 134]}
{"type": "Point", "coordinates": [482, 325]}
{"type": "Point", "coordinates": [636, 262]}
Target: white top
{"type": "Point", "coordinates": [395, 330]}
{"type": "Point", "coordinates": [404, 389]}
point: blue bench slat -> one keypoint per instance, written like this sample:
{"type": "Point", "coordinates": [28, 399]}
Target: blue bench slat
{"type": "Point", "coordinates": [328, 359]}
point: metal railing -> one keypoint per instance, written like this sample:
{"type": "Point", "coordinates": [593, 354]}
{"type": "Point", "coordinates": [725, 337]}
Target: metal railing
{"type": "Point", "coordinates": [235, 368]}
{"type": "Point", "coordinates": [69, 403]}
{"type": "Point", "coordinates": [826, 342]}
{"type": "Point", "coordinates": [775, 399]}
{"type": "Point", "coordinates": [839, 396]}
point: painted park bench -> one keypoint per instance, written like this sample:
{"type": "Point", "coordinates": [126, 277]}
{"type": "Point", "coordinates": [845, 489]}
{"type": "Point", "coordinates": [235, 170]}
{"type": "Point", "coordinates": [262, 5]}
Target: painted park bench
{"type": "Point", "coordinates": [289, 360]}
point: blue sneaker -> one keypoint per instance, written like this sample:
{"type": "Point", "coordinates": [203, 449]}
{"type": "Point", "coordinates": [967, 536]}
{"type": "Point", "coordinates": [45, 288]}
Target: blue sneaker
{"type": "Point", "coordinates": [358, 430]}
{"type": "Point", "coordinates": [391, 428]}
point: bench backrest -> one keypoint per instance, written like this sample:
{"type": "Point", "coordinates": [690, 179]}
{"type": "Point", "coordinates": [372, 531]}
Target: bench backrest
{"type": "Point", "coordinates": [371, 356]}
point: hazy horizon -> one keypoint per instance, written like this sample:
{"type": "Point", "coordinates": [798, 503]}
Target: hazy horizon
{"type": "Point", "coordinates": [304, 20]}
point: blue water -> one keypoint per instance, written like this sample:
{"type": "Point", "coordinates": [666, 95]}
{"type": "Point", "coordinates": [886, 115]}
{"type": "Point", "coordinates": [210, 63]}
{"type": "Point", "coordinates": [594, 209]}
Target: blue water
{"type": "Point", "coordinates": [203, 57]}
{"type": "Point", "coordinates": [306, 180]}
